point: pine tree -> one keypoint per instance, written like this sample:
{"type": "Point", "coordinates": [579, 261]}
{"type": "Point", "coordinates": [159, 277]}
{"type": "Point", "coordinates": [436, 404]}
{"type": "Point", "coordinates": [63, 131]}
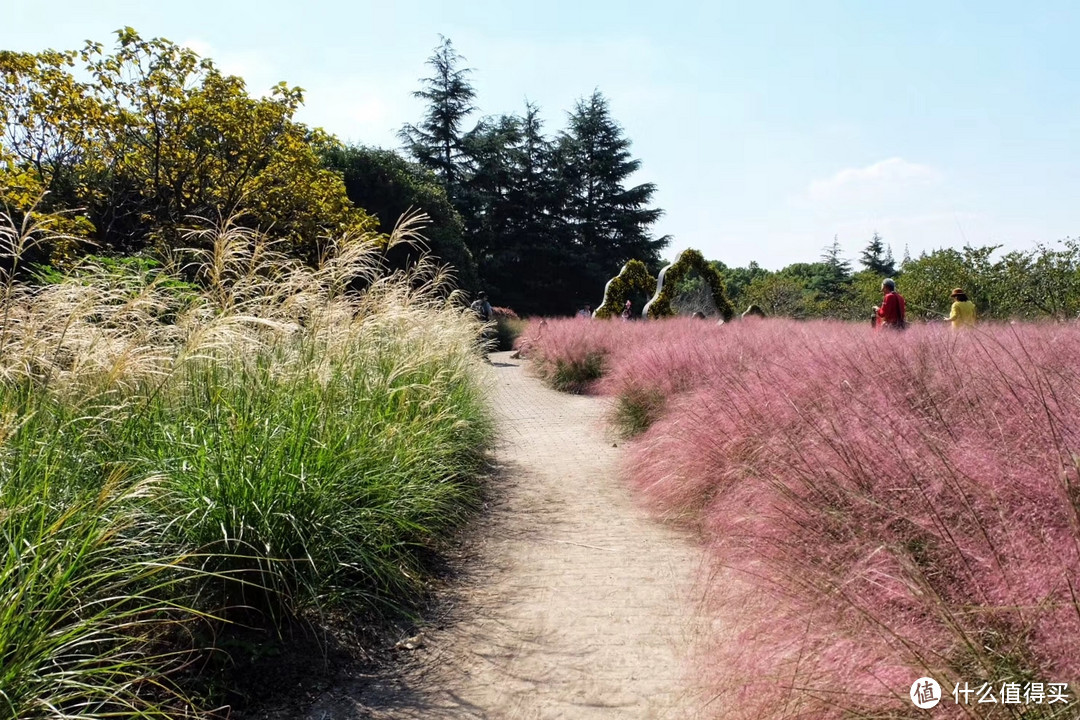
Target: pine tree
{"type": "Point", "coordinates": [836, 272]}
{"type": "Point", "coordinates": [877, 259]}
{"type": "Point", "coordinates": [491, 148]}
{"type": "Point", "coordinates": [534, 194]}
{"type": "Point", "coordinates": [437, 142]}
{"type": "Point", "coordinates": [526, 259]}
{"type": "Point", "coordinates": [606, 223]}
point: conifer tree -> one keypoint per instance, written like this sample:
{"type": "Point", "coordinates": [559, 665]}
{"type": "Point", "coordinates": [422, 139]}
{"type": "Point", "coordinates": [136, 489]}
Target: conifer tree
{"type": "Point", "coordinates": [877, 258]}
{"type": "Point", "coordinates": [834, 275]}
{"type": "Point", "coordinates": [491, 148]}
{"type": "Point", "coordinates": [606, 222]}
{"type": "Point", "coordinates": [524, 262]}
{"type": "Point", "coordinates": [437, 142]}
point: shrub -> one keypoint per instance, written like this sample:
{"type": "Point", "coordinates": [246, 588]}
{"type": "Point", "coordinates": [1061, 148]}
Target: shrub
{"type": "Point", "coordinates": [576, 376]}
{"type": "Point", "coordinates": [571, 354]}
{"type": "Point", "coordinates": [508, 327]}
{"type": "Point", "coordinates": [636, 409]}
{"type": "Point", "coordinates": [634, 277]}
{"type": "Point", "coordinates": [671, 276]}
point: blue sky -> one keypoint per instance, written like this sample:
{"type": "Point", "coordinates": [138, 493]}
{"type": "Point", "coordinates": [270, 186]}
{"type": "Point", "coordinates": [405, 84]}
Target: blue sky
{"type": "Point", "coordinates": [768, 127]}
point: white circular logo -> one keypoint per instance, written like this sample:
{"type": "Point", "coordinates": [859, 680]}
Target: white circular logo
{"type": "Point", "coordinates": [925, 693]}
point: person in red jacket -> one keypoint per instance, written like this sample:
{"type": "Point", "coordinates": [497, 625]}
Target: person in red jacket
{"type": "Point", "coordinates": [891, 313]}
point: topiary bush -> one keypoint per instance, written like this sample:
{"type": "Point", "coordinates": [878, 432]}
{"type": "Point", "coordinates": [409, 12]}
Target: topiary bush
{"type": "Point", "coordinates": [633, 276]}
{"type": "Point", "coordinates": [660, 305]}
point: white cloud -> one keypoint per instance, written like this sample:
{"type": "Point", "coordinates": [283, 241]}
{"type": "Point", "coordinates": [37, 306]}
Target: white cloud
{"type": "Point", "coordinates": [879, 181]}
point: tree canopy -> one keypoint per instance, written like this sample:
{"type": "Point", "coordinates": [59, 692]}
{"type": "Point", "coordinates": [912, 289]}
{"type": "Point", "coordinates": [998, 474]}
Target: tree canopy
{"type": "Point", "coordinates": [878, 258]}
{"type": "Point", "coordinates": [123, 148]}
{"type": "Point", "coordinates": [388, 186]}
{"type": "Point", "coordinates": [437, 142]}
{"type": "Point", "coordinates": [140, 140]}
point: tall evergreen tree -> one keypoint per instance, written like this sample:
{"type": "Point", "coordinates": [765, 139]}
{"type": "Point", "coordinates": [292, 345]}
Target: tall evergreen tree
{"type": "Point", "coordinates": [492, 149]}
{"type": "Point", "coordinates": [877, 258]}
{"type": "Point", "coordinates": [836, 275]}
{"type": "Point", "coordinates": [534, 196]}
{"type": "Point", "coordinates": [523, 263]}
{"type": "Point", "coordinates": [607, 223]}
{"type": "Point", "coordinates": [437, 141]}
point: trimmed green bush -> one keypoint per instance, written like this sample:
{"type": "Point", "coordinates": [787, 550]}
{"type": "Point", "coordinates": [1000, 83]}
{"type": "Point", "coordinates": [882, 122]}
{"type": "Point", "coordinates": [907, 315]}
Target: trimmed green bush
{"type": "Point", "coordinates": [690, 260]}
{"type": "Point", "coordinates": [634, 276]}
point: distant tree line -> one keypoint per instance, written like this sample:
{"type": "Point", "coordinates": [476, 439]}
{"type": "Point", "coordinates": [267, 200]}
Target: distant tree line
{"type": "Point", "coordinates": [1043, 283]}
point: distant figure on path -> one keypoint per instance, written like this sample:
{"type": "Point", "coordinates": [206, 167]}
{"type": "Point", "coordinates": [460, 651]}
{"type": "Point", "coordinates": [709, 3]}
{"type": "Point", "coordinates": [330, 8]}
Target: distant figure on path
{"type": "Point", "coordinates": [754, 311]}
{"type": "Point", "coordinates": [585, 312]}
{"type": "Point", "coordinates": [482, 307]}
{"type": "Point", "coordinates": [626, 311]}
{"type": "Point", "coordinates": [892, 313]}
{"type": "Point", "coordinates": [963, 310]}
{"type": "Point", "coordinates": [485, 314]}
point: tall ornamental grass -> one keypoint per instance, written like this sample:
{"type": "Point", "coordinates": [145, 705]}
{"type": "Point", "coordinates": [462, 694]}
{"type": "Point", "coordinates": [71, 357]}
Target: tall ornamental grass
{"type": "Point", "coordinates": [233, 438]}
{"type": "Point", "coordinates": [881, 506]}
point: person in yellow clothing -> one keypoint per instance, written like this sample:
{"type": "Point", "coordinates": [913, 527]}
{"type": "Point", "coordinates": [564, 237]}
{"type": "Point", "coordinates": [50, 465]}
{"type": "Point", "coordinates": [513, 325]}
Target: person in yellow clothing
{"type": "Point", "coordinates": [963, 310]}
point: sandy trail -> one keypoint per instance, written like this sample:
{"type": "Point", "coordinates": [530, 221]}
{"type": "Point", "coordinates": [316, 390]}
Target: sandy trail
{"type": "Point", "coordinates": [577, 604]}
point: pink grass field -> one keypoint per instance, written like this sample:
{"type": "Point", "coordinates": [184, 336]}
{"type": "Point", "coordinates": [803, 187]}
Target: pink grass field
{"type": "Point", "coordinates": [880, 506]}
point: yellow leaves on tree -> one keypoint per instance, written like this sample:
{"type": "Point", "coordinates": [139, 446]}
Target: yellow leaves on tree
{"type": "Point", "coordinates": [156, 136]}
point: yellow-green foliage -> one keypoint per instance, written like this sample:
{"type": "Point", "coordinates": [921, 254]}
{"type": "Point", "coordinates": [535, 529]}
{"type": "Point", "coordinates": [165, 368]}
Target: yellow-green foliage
{"type": "Point", "coordinates": [634, 276]}
{"type": "Point", "coordinates": [690, 260]}
{"type": "Point", "coordinates": [136, 142]}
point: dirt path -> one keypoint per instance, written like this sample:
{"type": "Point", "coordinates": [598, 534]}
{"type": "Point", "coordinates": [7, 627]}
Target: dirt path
{"type": "Point", "coordinates": [581, 606]}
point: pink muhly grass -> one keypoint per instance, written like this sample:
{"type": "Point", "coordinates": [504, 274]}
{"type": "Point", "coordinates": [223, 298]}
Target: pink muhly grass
{"type": "Point", "coordinates": [891, 505]}
{"type": "Point", "coordinates": [573, 354]}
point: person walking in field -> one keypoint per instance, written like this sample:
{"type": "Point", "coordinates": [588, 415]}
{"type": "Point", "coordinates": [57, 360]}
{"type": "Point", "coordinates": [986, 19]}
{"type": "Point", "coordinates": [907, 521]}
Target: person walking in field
{"type": "Point", "coordinates": [892, 313]}
{"type": "Point", "coordinates": [963, 310]}
{"type": "Point", "coordinates": [626, 312]}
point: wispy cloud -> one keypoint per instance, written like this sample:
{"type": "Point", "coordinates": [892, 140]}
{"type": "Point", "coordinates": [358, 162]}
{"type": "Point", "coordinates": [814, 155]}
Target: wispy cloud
{"type": "Point", "coordinates": [878, 181]}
